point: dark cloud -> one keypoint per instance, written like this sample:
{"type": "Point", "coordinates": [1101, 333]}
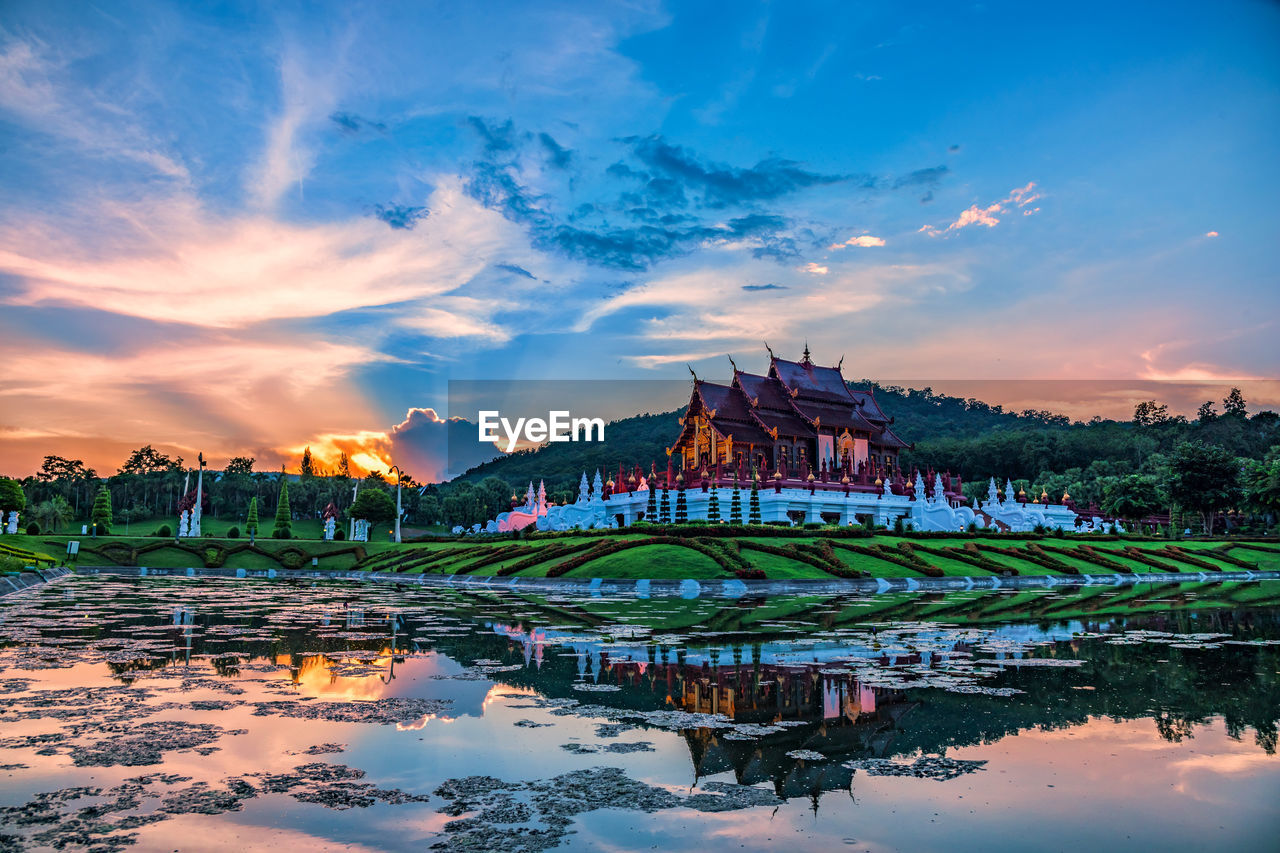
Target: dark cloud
{"type": "Point", "coordinates": [622, 170]}
{"type": "Point", "coordinates": [434, 448]}
{"type": "Point", "coordinates": [755, 287]}
{"type": "Point", "coordinates": [560, 156]}
{"type": "Point", "coordinates": [922, 177]}
{"type": "Point", "coordinates": [351, 123]}
{"type": "Point", "coordinates": [637, 247]}
{"type": "Point", "coordinates": [954, 148]}
{"type": "Point", "coordinates": [927, 197]}
{"type": "Point", "coordinates": [722, 185]}
{"type": "Point", "coordinates": [495, 186]}
{"type": "Point", "coordinates": [401, 216]}
{"type": "Point", "coordinates": [497, 137]}
{"type": "Point", "coordinates": [517, 270]}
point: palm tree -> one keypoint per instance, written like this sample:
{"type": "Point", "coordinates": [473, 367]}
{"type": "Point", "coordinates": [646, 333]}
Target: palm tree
{"type": "Point", "coordinates": [52, 514]}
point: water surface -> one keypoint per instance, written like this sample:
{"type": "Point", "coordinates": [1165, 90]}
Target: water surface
{"type": "Point", "coordinates": [202, 714]}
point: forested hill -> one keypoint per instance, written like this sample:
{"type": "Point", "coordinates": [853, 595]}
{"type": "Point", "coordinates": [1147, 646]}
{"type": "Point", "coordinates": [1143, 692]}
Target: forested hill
{"type": "Point", "coordinates": [636, 440]}
{"type": "Point", "coordinates": [965, 436]}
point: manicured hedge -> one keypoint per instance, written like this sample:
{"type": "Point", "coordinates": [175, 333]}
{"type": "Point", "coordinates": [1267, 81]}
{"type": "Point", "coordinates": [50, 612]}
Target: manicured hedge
{"type": "Point", "coordinates": [798, 552]}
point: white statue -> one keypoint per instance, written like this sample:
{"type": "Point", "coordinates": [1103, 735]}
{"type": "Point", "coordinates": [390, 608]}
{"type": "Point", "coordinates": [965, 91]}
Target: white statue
{"type": "Point", "coordinates": [184, 524]}
{"type": "Point", "coordinates": [328, 529]}
{"type": "Point", "coordinates": [361, 530]}
{"type": "Point", "coordinates": [992, 497]}
{"type": "Point", "coordinates": [12, 527]}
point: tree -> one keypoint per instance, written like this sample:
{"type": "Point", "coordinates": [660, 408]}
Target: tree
{"type": "Point", "coordinates": [1150, 413]}
{"type": "Point", "coordinates": [1132, 497]}
{"type": "Point", "coordinates": [100, 516]}
{"type": "Point", "coordinates": [1234, 405]}
{"type": "Point", "coordinates": [664, 507]}
{"type": "Point", "coordinates": [1206, 413]}
{"type": "Point", "coordinates": [1202, 478]}
{"type": "Point", "coordinates": [754, 514]}
{"type": "Point", "coordinates": [735, 506]}
{"type": "Point", "coordinates": [651, 508]}
{"type": "Point", "coordinates": [148, 460]}
{"type": "Point", "coordinates": [344, 466]}
{"type": "Point", "coordinates": [682, 505]}
{"type": "Point", "coordinates": [241, 465]}
{"type": "Point", "coordinates": [12, 497]}
{"type": "Point", "coordinates": [308, 469]}
{"type": "Point", "coordinates": [1261, 480]}
{"type": "Point", "coordinates": [284, 518]}
{"type": "Point", "coordinates": [251, 520]}
{"type": "Point", "coordinates": [52, 514]}
{"type": "Point", "coordinates": [375, 506]}
{"type": "Point", "coordinates": [713, 506]}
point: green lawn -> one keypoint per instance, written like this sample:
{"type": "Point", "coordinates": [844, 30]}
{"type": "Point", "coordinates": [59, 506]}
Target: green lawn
{"type": "Point", "coordinates": [643, 561]}
{"type": "Point", "coordinates": [651, 561]}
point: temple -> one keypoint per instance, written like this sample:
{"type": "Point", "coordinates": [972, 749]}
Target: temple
{"type": "Point", "coordinates": [800, 417]}
{"type": "Point", "coordinates": [795, 446]}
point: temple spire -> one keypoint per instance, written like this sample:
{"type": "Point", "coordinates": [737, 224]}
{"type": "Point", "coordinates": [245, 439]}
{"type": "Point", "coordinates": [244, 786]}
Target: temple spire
{"type": "Point", "coordinates": [805, 359]}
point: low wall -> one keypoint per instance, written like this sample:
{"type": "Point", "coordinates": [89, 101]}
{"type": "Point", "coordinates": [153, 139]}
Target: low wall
{"type": "Point", "coordinates": [30, 578]}
{"type": "Point", "coordinates": [728, 588]}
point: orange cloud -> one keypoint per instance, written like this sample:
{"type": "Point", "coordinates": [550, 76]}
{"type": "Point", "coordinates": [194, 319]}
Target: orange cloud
{"type": "Point", "coordinates": [1019, 198]}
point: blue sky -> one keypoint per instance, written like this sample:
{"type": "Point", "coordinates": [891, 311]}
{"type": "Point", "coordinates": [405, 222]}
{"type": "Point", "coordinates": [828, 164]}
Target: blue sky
{"type": "Point", "coordinates": [249, 228]}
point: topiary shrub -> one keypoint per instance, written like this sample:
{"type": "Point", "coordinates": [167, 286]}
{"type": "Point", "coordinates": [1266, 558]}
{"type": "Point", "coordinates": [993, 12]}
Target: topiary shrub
{"type": "Point", "coordinates": [340, 535]}
{"type": "Point", "coordinates": [163, 531]}
{"type": "Point", "coordinates": [33, 529]}
{"type": "Point", "coordinates": [213, 555]}
{"type": "Point", "coordinates": [292, 557]}
{"type": "Point", "coordinates": [281, 533]}
{"type": "Point", "coordinates": [233, 533]}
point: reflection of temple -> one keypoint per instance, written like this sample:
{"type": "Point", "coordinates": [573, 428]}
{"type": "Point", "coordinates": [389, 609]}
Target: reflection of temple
{"type": "Point", "coordinates": [827, 713]}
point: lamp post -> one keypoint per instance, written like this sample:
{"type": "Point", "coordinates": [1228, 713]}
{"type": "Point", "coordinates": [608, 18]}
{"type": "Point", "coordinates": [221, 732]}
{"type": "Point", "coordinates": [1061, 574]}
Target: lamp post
{"type": "Point", "coordinates": [399, 473]}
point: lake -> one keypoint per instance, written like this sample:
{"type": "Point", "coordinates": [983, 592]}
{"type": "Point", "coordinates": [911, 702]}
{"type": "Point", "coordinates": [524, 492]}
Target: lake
{"type": "Point", "coordinates": [200, 714]}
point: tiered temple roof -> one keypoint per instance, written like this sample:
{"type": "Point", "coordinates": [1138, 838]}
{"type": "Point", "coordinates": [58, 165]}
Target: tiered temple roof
{"type": "Point", "coordinates": [781, 416]}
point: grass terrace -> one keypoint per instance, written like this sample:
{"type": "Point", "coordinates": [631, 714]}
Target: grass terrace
{"type": "Point", "coordinates": [690, 552]}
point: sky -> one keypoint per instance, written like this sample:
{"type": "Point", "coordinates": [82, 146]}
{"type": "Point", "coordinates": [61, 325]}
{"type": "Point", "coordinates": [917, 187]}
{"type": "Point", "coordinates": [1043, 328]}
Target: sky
{"type": "Point", "coordinates": [252, 228]}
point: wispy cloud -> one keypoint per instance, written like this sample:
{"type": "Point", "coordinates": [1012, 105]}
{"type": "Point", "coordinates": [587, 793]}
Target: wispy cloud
{"type": "Point", "coordinates": [862, 241]}
{"type": "Point", "coordinates": [1017, 199]}
{"type": "Point", "coordinates": [186, 265]}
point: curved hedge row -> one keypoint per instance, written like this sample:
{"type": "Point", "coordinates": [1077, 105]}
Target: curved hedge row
{"type": "Point", "coordinates": [797, 552]}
